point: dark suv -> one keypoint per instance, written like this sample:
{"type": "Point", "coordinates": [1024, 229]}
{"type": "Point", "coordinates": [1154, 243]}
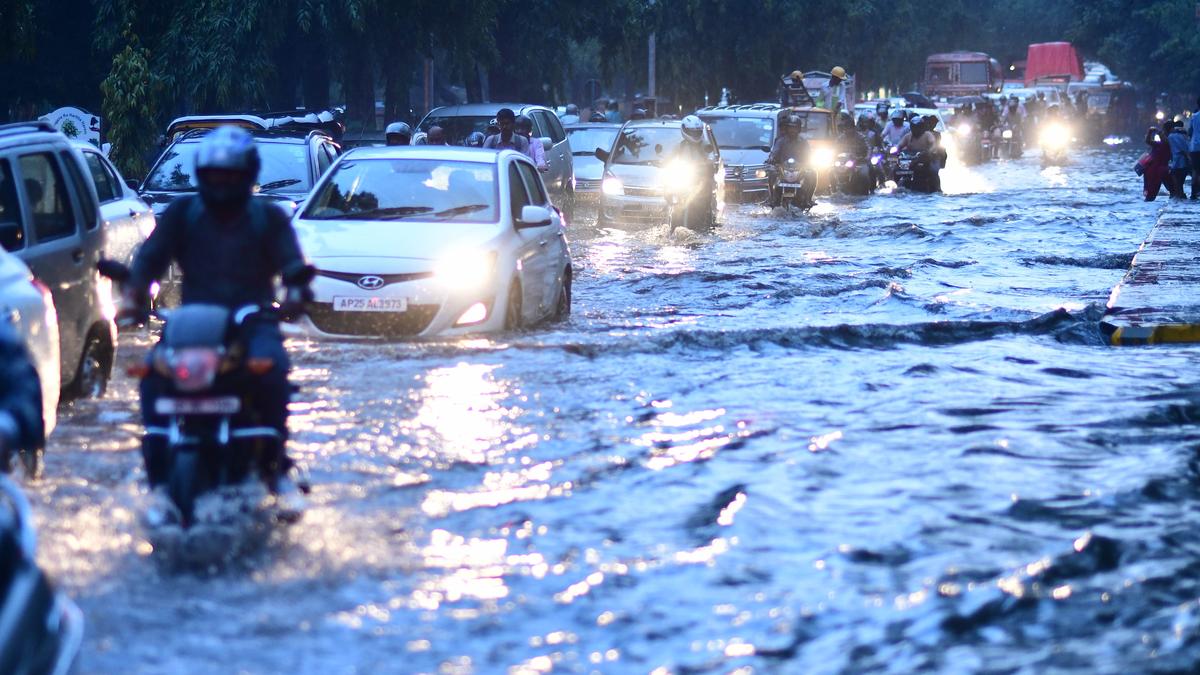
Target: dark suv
{"type": "Point", "coordinates": [744, 134]}
{"type": "Point", "coordinates": [292, 161]}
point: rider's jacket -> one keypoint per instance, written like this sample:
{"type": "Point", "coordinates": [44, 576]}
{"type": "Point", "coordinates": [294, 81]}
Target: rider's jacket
{"type": "Point", "coordinates": [232, 264]}
{"type": "Point", "coordinates": [786, 148]}
{"type": "Point", "coordinates": [853, 143]}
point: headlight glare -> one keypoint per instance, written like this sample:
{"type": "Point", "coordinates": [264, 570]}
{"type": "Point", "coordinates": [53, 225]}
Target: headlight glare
{"type": "Point", "coordinates": [467, 270]}
{"type": "Point", "coordinates": [822, 158]}
{"type": "Point", "coordinates": [677, 176]}
{"type": "Point", "coordinates": [612, 186]}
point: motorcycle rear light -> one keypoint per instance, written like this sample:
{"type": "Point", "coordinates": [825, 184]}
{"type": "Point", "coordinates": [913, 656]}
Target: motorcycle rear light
{"type": "Point", "coordinates": [194, 369]}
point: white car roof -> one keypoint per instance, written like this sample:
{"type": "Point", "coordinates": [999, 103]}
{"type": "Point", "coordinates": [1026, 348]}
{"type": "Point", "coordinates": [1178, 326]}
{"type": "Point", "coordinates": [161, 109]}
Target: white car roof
{"type": "Point", "coordinates": [449, 153]}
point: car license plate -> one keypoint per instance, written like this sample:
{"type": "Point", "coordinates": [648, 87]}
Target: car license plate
{"type": "Point", "coordinates": [794, 186]}
{"type": "Point", "coordinates": [220, 405]}
{"type": "Point", "coordinates": [905, 165]}
{"type": "Point", "coordinates": [345, 303]}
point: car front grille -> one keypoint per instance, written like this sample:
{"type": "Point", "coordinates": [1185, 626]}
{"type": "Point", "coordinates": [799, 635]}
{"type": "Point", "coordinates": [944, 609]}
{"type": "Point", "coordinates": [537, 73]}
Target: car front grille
{"type": "Point", "coordinates": [636, 191]}
{"type": "Point", "coordinates": [388, 279]}
{"type": "Point", "coordinates": [363, 324]}
{"type": "Point", "coordinates": [584, 185]}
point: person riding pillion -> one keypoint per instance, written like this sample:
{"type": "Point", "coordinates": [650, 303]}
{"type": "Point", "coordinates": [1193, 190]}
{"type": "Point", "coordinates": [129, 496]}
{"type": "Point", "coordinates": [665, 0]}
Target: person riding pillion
{"type": "Point", "coordinates": [790, 145]}
{"type": "Point", "coordinates": [230, 248]}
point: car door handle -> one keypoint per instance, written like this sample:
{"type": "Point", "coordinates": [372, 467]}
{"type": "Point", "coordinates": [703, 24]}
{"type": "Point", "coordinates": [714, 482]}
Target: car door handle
{"type": "Point", "coordinates": [133, 214]}
{"type": "Point", "coordinates": [77, 255]}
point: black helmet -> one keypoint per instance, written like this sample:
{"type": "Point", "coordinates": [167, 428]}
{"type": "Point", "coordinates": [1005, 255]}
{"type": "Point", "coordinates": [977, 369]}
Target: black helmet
{"type": "Point", "coordinates": [845, 120]}
{"type": "Point", "coordinates": [524, 123]}
{"type": "Point", "coordinates": [227, 166]}
{"type": "Point", "coordinates": [597, 116]}
{"type": "Point", "coordinates": [398, 133]}
{"type": "Point", "coordinates": [572, 109]}
{"type": "Point", "coordinates": [475, 140]}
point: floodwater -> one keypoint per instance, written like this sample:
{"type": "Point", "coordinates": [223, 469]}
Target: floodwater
{"type": "Point", "coordinates": [885, 436]}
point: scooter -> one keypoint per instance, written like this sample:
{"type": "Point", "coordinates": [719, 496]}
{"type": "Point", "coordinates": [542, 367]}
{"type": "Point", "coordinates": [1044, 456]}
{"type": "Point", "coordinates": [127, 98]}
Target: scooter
{"type": "Point", "coordinates": [1009, 146]}
{"type": "Point", "coordinates": [214, 437]}
{"type": "Point", "coordinates": [916, 172]}
{"type": "Point", "coordinates": [41, 629]}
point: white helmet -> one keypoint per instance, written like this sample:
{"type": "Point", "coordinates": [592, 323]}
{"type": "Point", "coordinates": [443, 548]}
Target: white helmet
{"type": "Point", "coordinates": [693, 128]}
{"type": "Point", "coordinates": [916, 120]}
{"type": "Point", "coordinates": [897, 114]}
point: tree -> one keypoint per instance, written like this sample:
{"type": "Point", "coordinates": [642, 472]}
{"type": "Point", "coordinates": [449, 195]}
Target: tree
{"type": "Point", "coordinates": [131, 93]}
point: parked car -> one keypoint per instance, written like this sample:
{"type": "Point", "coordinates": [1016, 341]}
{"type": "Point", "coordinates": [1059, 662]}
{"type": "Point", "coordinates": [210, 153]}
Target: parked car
{"type": "Point", "coordinates": [27, 304]}
{"type": "Point", "coordinates": [292, 161]}
{"type": "Point", "coordinates": [633, 192]}
{"type": "Point", "coordinates": [41, 629]}
{"type": "Point", "coordinates": [745, 134]}
{"type": "Point", "coordinates": [585, 138]}
{"type": "Point", "coordinates": [425, 241]}
{"type": "Point", "coordinates": [127, 219]}
{"type": "Point", "coordinates": [55, 228]}
{"type": "Point", "coordinates": [459, 121]}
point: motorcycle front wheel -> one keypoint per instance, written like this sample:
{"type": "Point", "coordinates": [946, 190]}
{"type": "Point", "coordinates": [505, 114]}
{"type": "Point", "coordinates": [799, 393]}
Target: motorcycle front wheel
{"type": "Point", "coordinates": [184, 485]}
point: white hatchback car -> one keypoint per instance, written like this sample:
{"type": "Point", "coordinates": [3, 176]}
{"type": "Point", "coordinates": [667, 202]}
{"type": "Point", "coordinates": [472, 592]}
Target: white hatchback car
{"type": "Point", "coordinates": [433, 241]}
{"type": "Point", "coordinates": [27, 304]}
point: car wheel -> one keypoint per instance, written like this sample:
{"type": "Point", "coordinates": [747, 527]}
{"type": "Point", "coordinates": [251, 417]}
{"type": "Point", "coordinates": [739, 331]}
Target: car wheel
{"type": "Point", "coordinates": [512, 310]}
{"type": "Point", "coordinates": [562, 309]}
{"type": "Point", "coordinates": [91, 379]}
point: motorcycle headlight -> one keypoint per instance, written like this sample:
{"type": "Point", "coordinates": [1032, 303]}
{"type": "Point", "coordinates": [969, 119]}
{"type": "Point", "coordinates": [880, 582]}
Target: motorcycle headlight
{"type": "Point", "coordinates": [964, 129]}
{"type": "Point", "coordinates": [465, 270]}
{"type": "Point", "coordinates": [194, 368]}
{"type": "Point", "coordinates": [1007, 134]}
{"type": "Point", "coordinates": [1055, 136]}
{"type": "Point", "coordinates": [822, 158]}
{"type": "Point", "coordinates": [677, 176]}
{"type": "Point", "coordinates": [612, 186]}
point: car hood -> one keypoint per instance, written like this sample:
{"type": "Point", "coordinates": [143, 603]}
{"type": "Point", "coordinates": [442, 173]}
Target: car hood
{"type": "Point", "coordinates": [588, 167]}
{"type": "Point", "coordinates": [743, 157]}
{"type": "Point", "coordinates": [159, 201]}
{"type": "Point", "coordinates": [388, 247]}
{"type": "Point", "coordinates": [637, 175]}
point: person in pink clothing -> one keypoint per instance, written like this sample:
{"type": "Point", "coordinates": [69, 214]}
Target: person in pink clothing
{"type": "Point", "coordinates": [536, 152]}
{"type": "Point", "coordinates": [1156, 173]}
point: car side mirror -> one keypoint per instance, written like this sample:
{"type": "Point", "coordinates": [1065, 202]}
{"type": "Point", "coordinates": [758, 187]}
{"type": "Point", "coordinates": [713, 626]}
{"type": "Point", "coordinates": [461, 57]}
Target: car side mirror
{"type": "Point", "coordinates": [132, 183]}
{"type": "Point", "coordinates": [12, 236]}
{"type": "Point", "coordinates": [602, 155]}
{"type": "Point", "coordinates": [547, 143]}
{"type": "Point", "coordinates": [534, 216]}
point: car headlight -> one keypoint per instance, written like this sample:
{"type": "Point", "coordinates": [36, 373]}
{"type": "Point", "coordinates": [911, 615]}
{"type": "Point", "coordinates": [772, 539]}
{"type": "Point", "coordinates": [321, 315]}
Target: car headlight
{"type": "Point", "coordinates": [466, 270]}
{"type": "Point", "coordinates": [760, 174]}
{"type": "Point", "coordinates": [821, 158]}
{"type": "Point", "coordinates": [677, 176]}
{"type": "Point", "coordinates": [1007, 134]}
{"type": "Point", "coordinates": [612, 186]}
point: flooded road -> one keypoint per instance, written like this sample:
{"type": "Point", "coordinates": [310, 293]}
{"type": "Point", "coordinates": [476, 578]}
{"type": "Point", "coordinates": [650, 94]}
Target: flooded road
{"type": "Point", "coordinates": [885, 436]}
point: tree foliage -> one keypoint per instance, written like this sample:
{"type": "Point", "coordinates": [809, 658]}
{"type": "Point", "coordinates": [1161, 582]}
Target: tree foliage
{"type": "Point", "coordinates": [131, 93]}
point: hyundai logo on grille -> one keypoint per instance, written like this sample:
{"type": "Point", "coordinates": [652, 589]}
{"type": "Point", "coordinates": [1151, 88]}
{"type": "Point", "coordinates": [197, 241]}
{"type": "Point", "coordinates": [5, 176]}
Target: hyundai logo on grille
{"type": "Point", "coordinates": [370, 282]}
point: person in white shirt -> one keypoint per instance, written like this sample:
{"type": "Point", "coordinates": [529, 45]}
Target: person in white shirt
{"type": "Point", "coordinates": [894, 132]}
{"type": "Point", "coordinates": [833, 95]}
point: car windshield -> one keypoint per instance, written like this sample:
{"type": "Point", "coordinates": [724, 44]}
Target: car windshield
{"type": "Point", "coordinates": [457, 128]}
{"type": "Point", "coordinates": [585, 141]}
{"type": "Point", "coordinates": [646, 145]}
{"type": "Point", "coordinates": [407, 189]}
{"type": "Point", "coordinates": [284, 168]}
{"type": "Point", "coordinates": [742, 133]}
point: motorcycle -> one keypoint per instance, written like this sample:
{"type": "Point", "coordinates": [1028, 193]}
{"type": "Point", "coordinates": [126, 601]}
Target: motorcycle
{"type": "Point", "coordinates": [1055, 140]}
{"type": "Point", "coordinates": [973, 147]}
{"type": "Point", "coordinates": [686, 193]}
{"type": "Point", "coordinates": [214, 437]}
{"type": "Point", "coordinates": [852, 176]}
{"type": "Point", "coordinates": [1009, 146]}
{"type": "Point", "coordinates": [916, 172]}
{"type": "Point", "coordinates": [792, 188]}
{"type": "Point", "coordinates": [42, 629]}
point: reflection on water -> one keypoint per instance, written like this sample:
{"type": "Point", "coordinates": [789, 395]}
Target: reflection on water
{"type": "Point", "coordinates": [853, 440]}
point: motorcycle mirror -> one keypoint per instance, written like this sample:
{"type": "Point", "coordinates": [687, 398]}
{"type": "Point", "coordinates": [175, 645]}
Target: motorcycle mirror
{"type": "Point", "coordinates": [111, 269]}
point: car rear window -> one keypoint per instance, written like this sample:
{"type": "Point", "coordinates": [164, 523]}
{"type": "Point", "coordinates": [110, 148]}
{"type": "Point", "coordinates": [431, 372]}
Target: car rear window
{"type": "Point", "coordinates": [407, 190]}
{"type": "Point", "coordinates": [457, 128]}
{"type": "Point", "coordinates": [106, 188]}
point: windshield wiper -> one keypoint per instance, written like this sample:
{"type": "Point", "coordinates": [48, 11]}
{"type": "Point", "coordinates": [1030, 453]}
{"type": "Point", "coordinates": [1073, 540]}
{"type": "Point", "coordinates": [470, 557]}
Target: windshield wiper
{"type": "Point", "coordinates": [276, 184]}
{"type": "Point", "coordinates": [460, 210]}
{"type": "Point", "coordinates": [391, 213]}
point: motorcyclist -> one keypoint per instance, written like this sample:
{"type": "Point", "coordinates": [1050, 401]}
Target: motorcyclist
{"type": "Point", "coordinates": [229, 248]}
{"type": "Point", "coordinates": [790, 145]}
{"type": "Point", "coordinates": [850, 141]}
{"type": "Point", "coordinates": [22, 427]}
{"type": "Point", "coordinates": [893, 133]}
{"type": "Point", "coordinates": [881, 113]}
{"type": "Point", "coordinates": [398, 133]}
{"type": "Point", "coordinates": [1013, 119]}
{"type": "Point", "coordinates": [870, 130]}
{"type": "Point", "coordinates": [923, 141]}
